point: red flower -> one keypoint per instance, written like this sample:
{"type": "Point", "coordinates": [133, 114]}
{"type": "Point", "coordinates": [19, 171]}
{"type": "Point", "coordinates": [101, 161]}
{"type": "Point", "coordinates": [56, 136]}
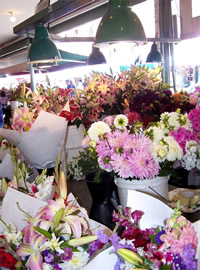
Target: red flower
{"type": "Point", "coordinates": [74, 112]}
{"type": "Point", "coordinates": [133, 117]}
{"type": "Point", "coordinates": [7, 260]}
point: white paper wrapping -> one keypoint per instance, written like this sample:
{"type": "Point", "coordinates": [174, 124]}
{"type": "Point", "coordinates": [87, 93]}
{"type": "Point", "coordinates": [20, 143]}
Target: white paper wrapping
{"type": "Point", "coordinates": [7, 167]}
{"type": "Point", "coordinates": [43, 143]}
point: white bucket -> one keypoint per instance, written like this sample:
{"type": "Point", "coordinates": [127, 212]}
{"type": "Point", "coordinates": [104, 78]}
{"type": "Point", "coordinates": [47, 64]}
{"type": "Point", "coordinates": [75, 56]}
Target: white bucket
{"type": "Point", "coordinates": [74, 138]}
{"type": "Point", "coordinates": [155, 187]}
{"type": "Point", "coordinates": [13, 104]}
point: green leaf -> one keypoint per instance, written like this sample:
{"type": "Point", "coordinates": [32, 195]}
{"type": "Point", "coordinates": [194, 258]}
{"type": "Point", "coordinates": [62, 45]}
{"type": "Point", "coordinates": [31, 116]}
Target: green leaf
{"type": "Point", "coordinates": [166, 267]}
{"type": "Point", "coordinates": [43, 232]}
{"type": "Point", "coordinates": [66, 245]}
{"type": "Point", "coordinates": [57, 218]}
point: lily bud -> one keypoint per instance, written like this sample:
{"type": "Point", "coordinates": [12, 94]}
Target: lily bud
{"type": "Point", "coordinates": [82, 240]}
{"type": "Point", "coordinates": [4, 186]}
{"type": "Point", "coordinates": [63, 186]}
{"type": "Point", "coordinates": [130, 256]}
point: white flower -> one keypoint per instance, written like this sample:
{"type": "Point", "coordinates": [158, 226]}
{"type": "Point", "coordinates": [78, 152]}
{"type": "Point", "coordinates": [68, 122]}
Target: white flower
{"type": "Point", "coordinates": [158, 133]}
{"type": "Point", "coordinates": [54, 244]}
{"type": "Point", "coordinates": [97, 129]}
{"type": "Point", "coordinates": [47, 266]}
{"type": "Point", "coordinates": [14, 237]}
{"type": "Point", "coordinates": [160, 152]}
{"type": "Point", "coordinates": [175, 152]}
{"type": "Point", "coordinates": [173, 120]}
{"type": "Point", "coordinates": [78, 261]}
{"type": "Point", "coordinates": [120, 121]}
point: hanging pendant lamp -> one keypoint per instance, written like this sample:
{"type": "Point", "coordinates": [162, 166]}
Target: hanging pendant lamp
{"type": "Point", "coordinates": [96, 57]}
{"type": "Point", "coordinates": [43, 50]}
{"type": "Point", "coordinates": [154, 55]}
{"type": "Point", "coordinates": [119, 24]}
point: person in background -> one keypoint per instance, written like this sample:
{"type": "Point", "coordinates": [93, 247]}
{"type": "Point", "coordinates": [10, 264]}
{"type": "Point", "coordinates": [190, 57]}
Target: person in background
{"type": "Point", "coordinates": [1, 117]}
{"type": "Point", "coordinates": [4, 101]}
{"type": "Point", "coordinates": [71, 86]}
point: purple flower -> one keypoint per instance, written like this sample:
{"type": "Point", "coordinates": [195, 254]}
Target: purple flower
{"type": "Point", "coordinates": [189, 257]}
{"type": "Point", "coordinates": [48, 256]}
{"type": "Point", "coordinates": [94, 247]}
{"type": "Point", "coordinates": [118, 265]}
{"type": "Point", "coordinates": [178, 263]}
{"type": "Point", "coordinates": [102, 237]}
{"type": "Point", "coordinates": [67, 255]}
{"type": "Point", "coordinates": [115, 241]}
{"type": "Point", "coordinates": [159, 237]}
{"type": "Point", "coordinates": [56, 267]}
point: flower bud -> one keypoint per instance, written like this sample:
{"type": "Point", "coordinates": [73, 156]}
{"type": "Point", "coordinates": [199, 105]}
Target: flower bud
{"type": "Point", "coordinates": [82, 240]}
{"type": "Point", "coordinates": [130, 256]}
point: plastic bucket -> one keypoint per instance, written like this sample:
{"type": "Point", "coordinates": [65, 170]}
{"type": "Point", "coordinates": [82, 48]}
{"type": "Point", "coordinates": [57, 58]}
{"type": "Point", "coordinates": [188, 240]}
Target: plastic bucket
{"type": "Point", "coordinates": [74, 138]}
{"type": "Point", "coordinates": [157, 187]}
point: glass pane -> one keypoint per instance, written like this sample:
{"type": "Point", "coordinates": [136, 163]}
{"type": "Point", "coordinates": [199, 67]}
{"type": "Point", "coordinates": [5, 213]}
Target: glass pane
{"type": "Point", "coordinates": [195, 8]}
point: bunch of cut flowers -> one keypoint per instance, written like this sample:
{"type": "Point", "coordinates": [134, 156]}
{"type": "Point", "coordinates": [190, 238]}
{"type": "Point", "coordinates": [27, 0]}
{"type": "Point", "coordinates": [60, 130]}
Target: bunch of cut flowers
{"type": "Point", "coordinates": [57, 237]}
{"type": "Point", "coordinates": [171, 246]}
{"type": "Point", "coordinates": [41, 187]}
{"type": "Point", "coordinates": [122, 146]}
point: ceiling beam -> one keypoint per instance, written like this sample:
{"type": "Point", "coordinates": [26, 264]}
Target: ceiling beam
{"type": "Point", "coordinates": [78, 11]}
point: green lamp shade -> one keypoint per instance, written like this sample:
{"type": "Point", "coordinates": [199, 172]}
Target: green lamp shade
{"type": "Point", "coordinates": [96, 57]}
{"type": "Point", "coordinates": [43, 50]}
{"type": "Point", "coordinates": [154, 55]}
{"type": "Point", "coordinates": [119, 24]}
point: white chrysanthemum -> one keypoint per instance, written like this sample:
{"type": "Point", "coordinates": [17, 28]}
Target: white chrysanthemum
{"type": "Point", "coordinates": [175, 152]}
{"type": "Point", "coordinates": [173, 120]}
{"type": "Point", "coordinates": [14, 238]}
{"type": "Point", "coordinates": [120, 121]}
{"type": "Point", "coordinates": [78, 261]}
{"type": "Point", "coordinates": [158, 134]}
{"type": "Point", "coordinates": [97, 129]}
{"type": "Point", "coordinates": [188, 124]}
{"type": "Point", "coordinates": [189, 161]}
{"type": "Point", "coordinates": [159, 152]}
{"type": "Point", "coordinates": [191, 146]}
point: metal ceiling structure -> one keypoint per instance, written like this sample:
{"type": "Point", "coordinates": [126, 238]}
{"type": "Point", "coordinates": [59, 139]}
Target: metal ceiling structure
{"type": "Point", "coordinates": [60, 16]}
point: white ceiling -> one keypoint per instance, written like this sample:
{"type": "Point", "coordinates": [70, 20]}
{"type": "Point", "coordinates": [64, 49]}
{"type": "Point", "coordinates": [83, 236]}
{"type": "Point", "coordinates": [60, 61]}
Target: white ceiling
{"type": "Point", "coordinates": [22, 9]}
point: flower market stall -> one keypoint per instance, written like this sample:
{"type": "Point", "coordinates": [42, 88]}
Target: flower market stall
{"type": "Point", "coordinates": [132, 134]}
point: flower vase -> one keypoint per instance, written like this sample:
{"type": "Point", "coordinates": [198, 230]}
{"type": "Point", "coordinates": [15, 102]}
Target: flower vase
{"type": "Point", "coordinates": [104, 198]}
{"type": "Point", "coordinates": [157, 187]}
{"type": "Point", "coordinates": [74, 138]}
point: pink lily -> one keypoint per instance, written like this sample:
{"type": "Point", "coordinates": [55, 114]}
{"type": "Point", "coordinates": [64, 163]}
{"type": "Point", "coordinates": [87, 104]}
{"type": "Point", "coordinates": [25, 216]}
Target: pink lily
{"type": "Point", "coordinates": [23, 119]}
{"type": "Point", "coordinates": [33, 249]}
{"type": "Point", "coordinates": [69, 222]}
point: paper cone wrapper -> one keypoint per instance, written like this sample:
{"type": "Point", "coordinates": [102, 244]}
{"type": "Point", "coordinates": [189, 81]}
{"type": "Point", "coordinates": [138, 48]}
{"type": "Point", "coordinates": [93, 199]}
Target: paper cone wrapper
{"type": "Point", "coordinates": [13, 136]}
{"type": "Point", "coordinates": [44, 142]}
{"type": "Point", "coordinates": [7, 167]}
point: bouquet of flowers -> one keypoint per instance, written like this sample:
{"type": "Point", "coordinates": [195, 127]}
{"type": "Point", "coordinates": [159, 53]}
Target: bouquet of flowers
{"type": "Point", "coordinates": [170, 246]}
{"type": "Point", "coordinates": [41, 187]}
{"type": "Point", "coordinates": [122, 146]}
{"type": "Point", "coordinates": [57, 237]}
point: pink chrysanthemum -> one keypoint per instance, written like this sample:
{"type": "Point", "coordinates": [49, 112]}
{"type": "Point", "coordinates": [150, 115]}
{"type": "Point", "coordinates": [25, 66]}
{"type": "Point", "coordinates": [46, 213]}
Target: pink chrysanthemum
{"type": "Point", "coordinates": [143, 165]}
{"type": "Point", "coordinates": [136, 142]}
{"type": "Point", "coordinates": [109, 120]}
{"type": "Point", "coordinates": [117, 138]}
{"type": "Point", "coordinates": [121, 165]}
{"type": "Point", "coordinates": [104, 149]}
{"type": "Point", "coordinates": [105, 164]}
